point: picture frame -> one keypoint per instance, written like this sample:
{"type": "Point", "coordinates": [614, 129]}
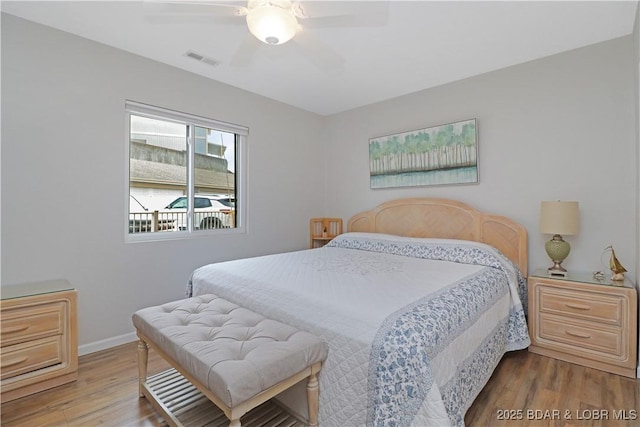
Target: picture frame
{"type": "Point", "coordinates": [438, 155]}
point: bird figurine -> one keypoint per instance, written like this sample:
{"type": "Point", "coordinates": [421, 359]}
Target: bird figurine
{"type": "Point", "coordinates": [614, 265]}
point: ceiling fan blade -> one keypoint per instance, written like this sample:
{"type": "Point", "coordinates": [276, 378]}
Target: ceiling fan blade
{"type": "Point", "coordinates": [319, 14]}
{"type": "Point", "coordinates": [345, 21]}
{"type": "Point", "coordinates": [321, 55]}
{"type": "Point", "coordinates": [195, 7]}
{"type": "Point", "coordinates": [244, 55]}
{"type": "Point", "coordinates": [185, 18]}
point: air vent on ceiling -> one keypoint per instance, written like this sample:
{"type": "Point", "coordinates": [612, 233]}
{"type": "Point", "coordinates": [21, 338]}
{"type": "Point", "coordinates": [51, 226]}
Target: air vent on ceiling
{"type": "Point", "coordinates": [210, 61]}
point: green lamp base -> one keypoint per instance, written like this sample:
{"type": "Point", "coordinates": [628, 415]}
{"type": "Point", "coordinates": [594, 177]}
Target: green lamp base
{"type": "Point", "coordinates": [558, 250]}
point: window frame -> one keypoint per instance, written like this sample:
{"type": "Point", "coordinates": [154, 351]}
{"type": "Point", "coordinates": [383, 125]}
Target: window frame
{"type": "Point", "coordinates": [191, 121]}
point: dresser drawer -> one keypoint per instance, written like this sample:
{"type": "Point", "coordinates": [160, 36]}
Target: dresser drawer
{"type": "Point", "coordinates": [596, 339]}
{"type": "Point", "coordinates": [30, 356]}
{"type": "Point", "coordinates": [582, 305]}
{"type": "Point", "coordinates": [32, 322]}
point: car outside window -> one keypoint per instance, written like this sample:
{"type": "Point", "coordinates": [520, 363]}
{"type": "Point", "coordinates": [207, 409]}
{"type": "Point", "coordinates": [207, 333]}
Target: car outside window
{"type": "Point", "coordinates": [178, 203]}
{"type": "Point", "coordinates": [201, 202]}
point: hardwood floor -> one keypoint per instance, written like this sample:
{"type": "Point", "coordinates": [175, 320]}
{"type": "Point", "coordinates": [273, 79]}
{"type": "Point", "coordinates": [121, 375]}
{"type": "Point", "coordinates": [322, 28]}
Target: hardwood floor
{"type": "Point", "coordinates": [531, 390]}
{"type": "Point", "coordinates": [106, 393]}
{"type": "Point", "coordinates": [525, 390]}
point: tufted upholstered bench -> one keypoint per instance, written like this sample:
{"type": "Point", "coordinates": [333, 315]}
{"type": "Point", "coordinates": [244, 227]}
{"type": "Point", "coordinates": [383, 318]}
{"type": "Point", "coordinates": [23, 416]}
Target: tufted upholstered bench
{"type": "Point", "coordinates": [237, 358]}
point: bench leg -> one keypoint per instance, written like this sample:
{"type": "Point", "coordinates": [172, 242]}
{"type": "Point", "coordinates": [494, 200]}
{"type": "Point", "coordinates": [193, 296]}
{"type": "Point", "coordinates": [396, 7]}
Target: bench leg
{"type": "Point", "coordinates": [312, 399]}
{"type": "Point", "coordinates": [143, 359]}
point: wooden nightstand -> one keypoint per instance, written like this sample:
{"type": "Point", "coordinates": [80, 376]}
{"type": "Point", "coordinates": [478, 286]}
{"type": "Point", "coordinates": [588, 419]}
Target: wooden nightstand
{"type": "Point", "coordinates": [583, 320]}
{"type": "Point", "coordinates": [321, 230]}
{"type": "Point", "coordinates": [39, 345]}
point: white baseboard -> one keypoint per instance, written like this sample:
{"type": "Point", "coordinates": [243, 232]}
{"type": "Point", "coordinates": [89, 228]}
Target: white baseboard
{"type": "Point", "coordinates": [106, 343]}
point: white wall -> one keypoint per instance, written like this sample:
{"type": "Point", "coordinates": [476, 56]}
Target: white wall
{"type": "Point", "coordinates": [558, 128]}
{"type": "Point", "coordinates": [63, 173]}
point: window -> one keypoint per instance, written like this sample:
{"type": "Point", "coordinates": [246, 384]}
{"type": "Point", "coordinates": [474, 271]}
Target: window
{"type": "Point", "coordinates": [185, 173]}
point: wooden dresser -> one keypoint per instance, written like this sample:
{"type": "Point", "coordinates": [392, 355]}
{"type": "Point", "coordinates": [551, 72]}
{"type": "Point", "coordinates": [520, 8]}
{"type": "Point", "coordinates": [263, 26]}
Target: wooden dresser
{"type": "Point", "coordinates": [583, 320]}
{"type": "Point", "coordinates": [39, 339]}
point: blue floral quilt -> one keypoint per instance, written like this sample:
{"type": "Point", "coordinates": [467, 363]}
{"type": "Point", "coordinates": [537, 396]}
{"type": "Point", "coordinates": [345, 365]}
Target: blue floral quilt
{"type": "Point", "coordinates": [400, 372]}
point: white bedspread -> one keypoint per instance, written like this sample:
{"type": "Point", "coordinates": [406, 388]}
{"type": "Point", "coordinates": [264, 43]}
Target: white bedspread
{"type": "Point", "coordinates": [359, 293]}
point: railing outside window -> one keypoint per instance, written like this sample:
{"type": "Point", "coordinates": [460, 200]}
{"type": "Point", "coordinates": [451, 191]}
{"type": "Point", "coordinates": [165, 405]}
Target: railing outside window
{"type": "Point", "coordinates": [156, 221]}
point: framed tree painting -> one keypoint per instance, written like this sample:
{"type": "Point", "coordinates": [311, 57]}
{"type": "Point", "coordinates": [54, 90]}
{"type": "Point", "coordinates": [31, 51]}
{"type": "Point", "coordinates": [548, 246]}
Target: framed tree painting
{"type": "Point", "coordinates": [438, 155]}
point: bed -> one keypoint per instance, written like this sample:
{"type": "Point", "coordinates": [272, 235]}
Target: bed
{"type": "Point", "coordinates": [418, 301]}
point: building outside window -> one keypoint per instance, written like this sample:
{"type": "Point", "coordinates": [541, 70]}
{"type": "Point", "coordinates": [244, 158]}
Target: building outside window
{"type": "Point", "coordinates": [185, 174]}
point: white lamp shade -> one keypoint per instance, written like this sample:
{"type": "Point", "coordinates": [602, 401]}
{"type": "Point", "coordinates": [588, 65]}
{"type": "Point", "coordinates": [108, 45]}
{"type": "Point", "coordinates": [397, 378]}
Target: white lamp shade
{"type": "Point", "coordinates": [272, 24]}
{"type": "Point", "coordinates": [559, 218]}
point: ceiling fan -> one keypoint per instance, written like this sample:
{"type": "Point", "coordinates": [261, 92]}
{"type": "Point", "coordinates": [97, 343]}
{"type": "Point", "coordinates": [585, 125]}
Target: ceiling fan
{"type": "Point", "coordinates": [275, 22]}
{"type": "Point", "coordinates": [272, 22]}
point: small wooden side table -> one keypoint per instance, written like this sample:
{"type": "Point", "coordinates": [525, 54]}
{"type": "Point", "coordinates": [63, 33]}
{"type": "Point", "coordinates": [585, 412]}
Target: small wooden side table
{"type": "Point", "coordinates": [321, 230]}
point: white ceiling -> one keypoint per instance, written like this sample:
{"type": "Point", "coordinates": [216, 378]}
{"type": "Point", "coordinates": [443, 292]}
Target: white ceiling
{"type": "Point", "coordinates": [390, 49]}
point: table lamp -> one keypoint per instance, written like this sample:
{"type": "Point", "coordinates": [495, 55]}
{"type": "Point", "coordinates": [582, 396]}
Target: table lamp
{"type": "Point", "coordinates": [558, 218]}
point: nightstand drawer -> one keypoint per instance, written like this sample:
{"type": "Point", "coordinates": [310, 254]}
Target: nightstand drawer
{"type": "Point", "coordinates": [583, 305]}
{"type": "Point", "coordinates": [29, 323]}
{"type": "Point", "coordinates": [26, 357]}
{"type": "Point", "coordinates": [597, 339]}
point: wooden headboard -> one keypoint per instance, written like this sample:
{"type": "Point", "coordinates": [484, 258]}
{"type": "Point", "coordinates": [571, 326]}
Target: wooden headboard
{"type": "Point", "coordinates": [446, 219]}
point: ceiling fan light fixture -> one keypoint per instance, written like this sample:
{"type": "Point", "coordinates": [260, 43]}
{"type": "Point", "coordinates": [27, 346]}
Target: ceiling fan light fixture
{"type": "Point", "coordinates": [272, 23]}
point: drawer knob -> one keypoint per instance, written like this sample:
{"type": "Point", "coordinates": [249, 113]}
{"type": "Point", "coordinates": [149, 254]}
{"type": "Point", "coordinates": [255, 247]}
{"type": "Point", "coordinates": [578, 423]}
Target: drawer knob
{"type": "Point", "coordinates": [577, 306]}
{"type": "Point", "coordinates": [13, 362]}
{"type": "Point", "coordinates": [578, 334]}
{"type": "Point", "coordinates": [14, 329]}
